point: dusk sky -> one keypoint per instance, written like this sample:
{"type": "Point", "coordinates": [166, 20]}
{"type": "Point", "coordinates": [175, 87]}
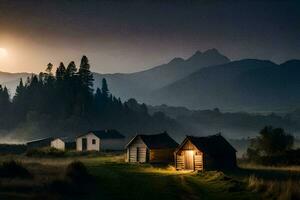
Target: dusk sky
{"type": "Point", "coordinates": [129, 36]}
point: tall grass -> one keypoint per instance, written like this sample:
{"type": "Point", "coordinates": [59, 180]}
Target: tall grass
{"type": "Point", "coordinates": [279, 190]}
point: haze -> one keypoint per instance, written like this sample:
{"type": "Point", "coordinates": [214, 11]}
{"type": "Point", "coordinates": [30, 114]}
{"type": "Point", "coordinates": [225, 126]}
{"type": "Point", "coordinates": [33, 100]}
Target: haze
{"type": "Point", "coordinates": [128, 36]}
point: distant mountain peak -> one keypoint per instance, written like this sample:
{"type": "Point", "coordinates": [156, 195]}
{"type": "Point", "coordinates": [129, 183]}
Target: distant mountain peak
{"type": "Point", "coordinates": [196, 54]}
{"type": "Point", "coordinates": [210, 53]}
{"type": "Point", "coordinates": [176, 60]}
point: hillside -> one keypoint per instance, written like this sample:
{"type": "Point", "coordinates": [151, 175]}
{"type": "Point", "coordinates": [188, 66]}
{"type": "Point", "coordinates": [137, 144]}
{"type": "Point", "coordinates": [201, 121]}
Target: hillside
{"type": "Point", "coordinates": [239, 85]}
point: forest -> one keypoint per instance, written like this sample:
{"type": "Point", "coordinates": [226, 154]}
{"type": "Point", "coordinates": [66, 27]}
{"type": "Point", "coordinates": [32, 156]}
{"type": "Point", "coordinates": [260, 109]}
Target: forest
{"type": "Point", "coordinates": [64, 103]}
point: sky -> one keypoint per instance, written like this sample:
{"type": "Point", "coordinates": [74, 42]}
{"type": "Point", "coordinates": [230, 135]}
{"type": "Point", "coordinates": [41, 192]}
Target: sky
{"type": "Point", "coordinates": [128, 36]}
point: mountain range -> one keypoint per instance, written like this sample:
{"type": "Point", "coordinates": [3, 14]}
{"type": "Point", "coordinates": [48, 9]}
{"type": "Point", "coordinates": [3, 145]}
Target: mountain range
{"type": "Point", "coordinates": [141, 85]}
{"type": "Point", "coordinates": [247, 84]}
{"type": "Point", "coordinates": [206, 80]}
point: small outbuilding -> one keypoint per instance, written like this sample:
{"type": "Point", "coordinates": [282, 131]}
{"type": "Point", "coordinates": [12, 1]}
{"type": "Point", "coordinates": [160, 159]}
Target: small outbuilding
{"type": "Point", "coordinates": [205, 153]}
{"type": "Point", "coordinates": [100, 140]}
{"type": "Point", "coordinates": [157, 148]}
{"type": "Point", "coordinates": [63, 143]}
{"type": "Point", "coordinates": [40, 143]}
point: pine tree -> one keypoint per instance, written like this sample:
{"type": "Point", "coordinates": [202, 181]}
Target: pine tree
{"type": "Point", "coordinates": [85, 75]}
{"type": "Point", "coordinates": [49, 78]}
{"type": "Point", "coordinates": [4, 106]}
{"type": "Point", "coordinates": [49, 68]}
{"type": "Point", "coordinates": [104, 88]}
{"type": "Point", "coordinates": [19, 91]}
{"type": "Point", "coordinates": [85, 88]}
{"type": "Point", "coordinates": [60, 72]}
{"type": "Point", "coordinates": [71, 69]}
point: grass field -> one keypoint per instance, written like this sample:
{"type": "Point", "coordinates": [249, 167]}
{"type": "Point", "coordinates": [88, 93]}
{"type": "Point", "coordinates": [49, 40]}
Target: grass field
{"type": "Point", "coordinates": [114, 179]}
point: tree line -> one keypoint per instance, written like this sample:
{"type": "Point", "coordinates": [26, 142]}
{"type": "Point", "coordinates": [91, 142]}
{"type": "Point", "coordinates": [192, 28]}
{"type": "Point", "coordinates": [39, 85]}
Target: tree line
{"type": "Point", "coordinates": [65, 101]}
{"type": "Point", "coordinates": [273, 146]}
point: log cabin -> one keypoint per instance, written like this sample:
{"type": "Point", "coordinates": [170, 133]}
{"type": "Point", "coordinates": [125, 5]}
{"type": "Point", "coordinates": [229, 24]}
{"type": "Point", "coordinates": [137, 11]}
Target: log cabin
{"type": "Point", "coordinates": [100, 140]}
{"type": "Point", "coordinates": [158, 148]}
{"type": "Point", "coordinates": [205, 153]}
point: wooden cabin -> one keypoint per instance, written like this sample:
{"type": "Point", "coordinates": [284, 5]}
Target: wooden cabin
{"type": "Point", "coordinates": [63, 143]}
{"type": "Point", "coordinates": [205, 153]}
{"type": "Point", "coordinates": [40, 143]}
{"type": "Point", "coordinates": [157, 148]}
{"type": "Point", "coordinates": [100, 140]}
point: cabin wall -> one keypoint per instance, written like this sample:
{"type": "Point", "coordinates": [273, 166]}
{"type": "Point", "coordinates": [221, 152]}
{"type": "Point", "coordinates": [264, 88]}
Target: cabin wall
{"type": "Point", "coordinates": [58, 144]}
{"type": "Point", "coordinates": [137, 151]}
{"type": "Point", "coordinates": [225, 161]}
{"type": "Point", "coordinates": [197, 160]}
{"type": "Point", "coordinates": [112, 144]}
{"type": "Point", "coordinates": [90, 146]}
{"type": "Point", "coordinates": [162, 155]}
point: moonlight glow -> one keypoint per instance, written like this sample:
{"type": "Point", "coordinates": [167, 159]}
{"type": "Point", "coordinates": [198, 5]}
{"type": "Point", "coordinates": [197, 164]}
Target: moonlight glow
{"type": "Point", "coordinates": [3, 52]}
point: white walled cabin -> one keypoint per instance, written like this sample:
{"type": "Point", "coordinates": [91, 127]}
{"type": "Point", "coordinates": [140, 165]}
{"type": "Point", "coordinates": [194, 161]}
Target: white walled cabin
{"type": "Point", "coordinates": [88, 142]}
{"type": "Point", "coordinates": [100, 140]}
{"type": "Point", "coordinates": [58, 144]}
{"type": "Point", "coordinates": [63, 143]}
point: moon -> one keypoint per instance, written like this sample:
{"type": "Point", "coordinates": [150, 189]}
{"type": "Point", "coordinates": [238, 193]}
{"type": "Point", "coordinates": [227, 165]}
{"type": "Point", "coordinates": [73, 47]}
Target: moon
{"type": "Point", "coordinates": [3, 52]}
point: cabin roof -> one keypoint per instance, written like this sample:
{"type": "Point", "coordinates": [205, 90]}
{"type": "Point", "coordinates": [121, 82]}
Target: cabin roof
{"type": "Point", "coordinates": [157, 141]}
{"type": "Point", "coordinates": [105, 134]}
{"type": "Point", "coordinates": [65, 139]}
{"type": "Point", "coordinates": [213, 145]}
{"type": "Point", "coordinates": [40, 140]}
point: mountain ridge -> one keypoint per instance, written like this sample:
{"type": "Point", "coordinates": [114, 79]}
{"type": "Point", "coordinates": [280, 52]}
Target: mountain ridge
{"type": "Point", "coordinates": [243, 83]}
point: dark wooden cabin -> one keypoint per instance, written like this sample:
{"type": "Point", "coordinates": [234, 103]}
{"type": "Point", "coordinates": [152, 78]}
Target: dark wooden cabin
{"type": "Point", "coordinates": [157, 148]}
{"type": "Point", "coordinates": [205, 153]}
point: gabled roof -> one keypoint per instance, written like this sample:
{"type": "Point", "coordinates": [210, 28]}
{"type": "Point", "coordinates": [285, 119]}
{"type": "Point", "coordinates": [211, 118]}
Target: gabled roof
{"type": "Point", "coordinates": [157, 141]}
{"type": "Point", "coordinates": [105, 134]}
{"type": "Point", "coordinates": [213, 145]}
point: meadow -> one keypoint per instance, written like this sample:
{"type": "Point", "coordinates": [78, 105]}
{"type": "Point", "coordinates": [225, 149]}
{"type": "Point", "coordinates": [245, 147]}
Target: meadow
{"type": "Point", "coordinates": [112, 178]}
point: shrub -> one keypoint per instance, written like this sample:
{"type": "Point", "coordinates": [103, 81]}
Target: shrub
{"type": "Point", "coordinates": [13, 169]}
{"type": "Point", "coordinates": [77, 172]}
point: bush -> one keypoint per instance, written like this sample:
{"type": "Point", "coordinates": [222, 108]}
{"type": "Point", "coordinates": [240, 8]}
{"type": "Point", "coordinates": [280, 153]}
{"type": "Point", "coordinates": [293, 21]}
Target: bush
{"type": "Point", "coordinates": [13, 169]}
{"type": "Point", "coordinates": [45, 152]}
{"type": "Point", "coordinates": [77, 172]}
